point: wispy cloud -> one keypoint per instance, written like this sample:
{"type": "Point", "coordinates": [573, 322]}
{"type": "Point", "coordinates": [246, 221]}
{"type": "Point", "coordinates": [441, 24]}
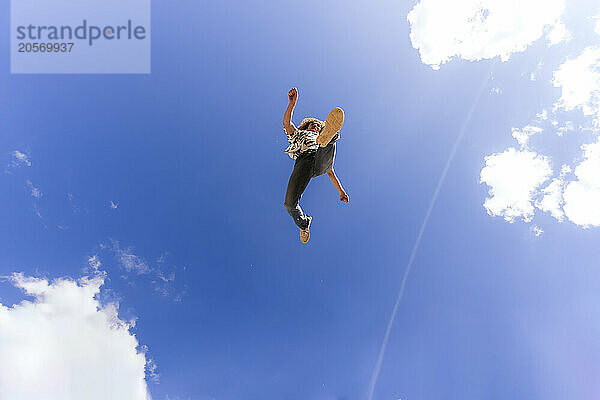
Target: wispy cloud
{"type": "Point", "coordinates": [152, 371]}
{"type": "Point", "coordinates": [35, 192]}
{"type": "Point", "coordinates": [37, 212]}
{"type": "Point", "coordinates": [94, 263]}
{"type": "Point", "coordinates": [535, 74]}
{"type": "Point", "coordinates": [541, 116]}
{"type": "Point", "coordinates": [552, 195]}
{"type": "Point", "coordinates": [20, 159]}
{"type": "Point", "coordinates": [537, 231]}
{"type": "Point", "coordinates": [157, 274]}
{"type": "Point", "coordinates": [129, 260]}
{"type": "Point", "coordinates": [74, 207]}
{"type": "Point", "coordinates": [522, 135]}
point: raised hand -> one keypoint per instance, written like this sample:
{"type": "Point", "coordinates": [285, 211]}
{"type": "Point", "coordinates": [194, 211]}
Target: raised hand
{"type": "Point", "coordinates": [293, 95]}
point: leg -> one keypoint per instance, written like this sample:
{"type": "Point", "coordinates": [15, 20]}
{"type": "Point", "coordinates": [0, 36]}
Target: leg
{"type": "Point", "coordinates": [324, 159]}
{"type": "Point", "coordinates": [301, 175]}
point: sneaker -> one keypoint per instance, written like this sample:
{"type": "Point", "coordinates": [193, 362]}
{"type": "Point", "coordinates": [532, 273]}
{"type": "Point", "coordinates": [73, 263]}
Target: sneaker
{"type": "Point", "coordinates": [333, 124]}
{"type": "Point", "coordinates": [305, 233]}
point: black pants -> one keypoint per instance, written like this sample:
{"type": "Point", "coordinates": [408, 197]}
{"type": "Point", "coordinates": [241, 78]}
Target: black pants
{"type": "Point", "coordinates": [310, 164]}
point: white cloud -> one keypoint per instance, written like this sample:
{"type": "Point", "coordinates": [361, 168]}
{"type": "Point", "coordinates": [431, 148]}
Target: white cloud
{"type": "Point", "coordinates": [579, 79]}
{"type": "Point", "coordinates": [479, 29]}
{"type": "Point", "coordinates": [564, 198]}
{"type": "Point", "coordinates": [558, 34]}
{"type": "Point", "coordinates": [64, 345]}
{"type": "Point", "coordinates": [523, 135]}
{"type": "Point", "coordinates": [582, 197]}
{"type": "Point", "coordinates": [513, 176]}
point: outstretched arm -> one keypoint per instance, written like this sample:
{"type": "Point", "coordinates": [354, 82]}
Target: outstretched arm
{"type": "Point", "coordinates": [336, 182]}
{"type": "Point", "coordinates": [287, 116]}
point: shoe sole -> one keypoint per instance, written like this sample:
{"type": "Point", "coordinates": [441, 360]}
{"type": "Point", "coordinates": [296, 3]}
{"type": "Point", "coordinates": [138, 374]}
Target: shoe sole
{"type": "Point", "coordinates": [308, 228]}
{"type": "Point", "coordinates": [333, 124]}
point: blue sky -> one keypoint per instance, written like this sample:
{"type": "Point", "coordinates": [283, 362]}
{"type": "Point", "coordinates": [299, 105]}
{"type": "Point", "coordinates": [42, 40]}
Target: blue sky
{"type": "Point", "coordinates": [201, 253]}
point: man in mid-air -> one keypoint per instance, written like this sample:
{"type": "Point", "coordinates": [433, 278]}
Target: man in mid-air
{"type": "Point", "coordinates": [312, 145]}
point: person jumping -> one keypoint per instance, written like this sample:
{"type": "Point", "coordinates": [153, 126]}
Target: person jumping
{"type": "Point", "coordinates": [312, 145]}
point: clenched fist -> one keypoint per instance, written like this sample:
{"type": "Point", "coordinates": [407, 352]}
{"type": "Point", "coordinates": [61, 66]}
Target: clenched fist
{"type": "Point", "coordinates": [293, 95]}
{"type": "Point", "coordinates": [344, 197]}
